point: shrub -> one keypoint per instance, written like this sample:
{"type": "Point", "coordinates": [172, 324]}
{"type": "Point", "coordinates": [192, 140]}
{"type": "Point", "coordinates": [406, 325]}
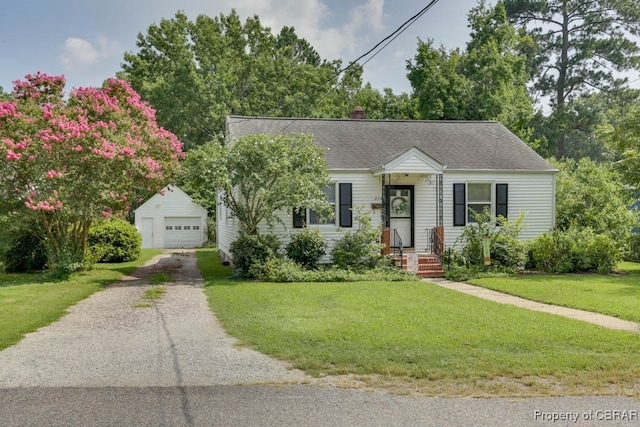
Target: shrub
{"type": "Point", "coordinates": [306, 248]}
{"type": "Point", "coordinates": [115, 240]}
{"type": "Point", "coordinates": [573, 251]}
{"type": "Point", "coordinates": [506, 251]}
{"type": "Point", "coordinates": [359, 249]}
{"type": "Point", "coordinates": [252, 251]}
{"type": "Point", "coordinates": [285, 270]}
{"type": "Point", "coordinates": [25, 253]}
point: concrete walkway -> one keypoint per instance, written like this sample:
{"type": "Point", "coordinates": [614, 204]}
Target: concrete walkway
{"type": "Point", "coordinates": [586, 316]}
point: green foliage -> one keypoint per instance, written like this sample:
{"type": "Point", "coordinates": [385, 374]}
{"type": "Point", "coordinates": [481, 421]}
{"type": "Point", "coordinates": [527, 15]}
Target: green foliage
{"type": "Point", "coordinates": [117, 241]}
{"type": "Point", "coordinates": [284, 270]}
{"type": "Point", "coordinates": [359, 249]}
{"type": "Point", "coordinates": [485, 82]}
{"type": "Point", "coordinates": [574, 250]}
{"type": "Point", "coordinates": [506, 251]}
{"type": "Point", "coordinates": [197, 177]}
{"type": "Point", "coordinates": [624, 138]}
{"type": "Point", "coordinates": [306, 248]}
{"type": "Point", "coordinates": [213, 67]}
{"type": "Point", "coordinates": [252, 251]}
{"type": "Point", "coordinates": [568, 35]}
{"type": "Point", "coordinates": [261, 174]}
{"type": "Point", "coordinates": [590, 194]}
{"type": "Point", "coordinates": [25, 253]}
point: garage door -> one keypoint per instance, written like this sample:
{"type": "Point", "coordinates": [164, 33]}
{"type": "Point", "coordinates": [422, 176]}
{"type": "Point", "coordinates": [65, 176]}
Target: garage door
{"type": "Point", "coordinates": [182, 232]}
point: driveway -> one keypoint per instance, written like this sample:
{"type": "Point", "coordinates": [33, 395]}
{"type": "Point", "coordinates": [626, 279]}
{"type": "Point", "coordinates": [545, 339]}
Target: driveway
{"type": "Point", "coordinates": [115, 338]}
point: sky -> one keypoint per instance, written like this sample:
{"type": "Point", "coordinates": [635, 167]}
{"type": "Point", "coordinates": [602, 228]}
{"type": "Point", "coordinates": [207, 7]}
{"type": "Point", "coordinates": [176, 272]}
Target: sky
{"type": "Point", "coordinates": [85, 40]}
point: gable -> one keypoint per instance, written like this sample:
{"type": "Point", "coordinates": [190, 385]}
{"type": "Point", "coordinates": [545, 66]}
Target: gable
{"type": "Point", "coordinates": [412, 160]}
{"type": "Point", "coordinates": [172, 196]}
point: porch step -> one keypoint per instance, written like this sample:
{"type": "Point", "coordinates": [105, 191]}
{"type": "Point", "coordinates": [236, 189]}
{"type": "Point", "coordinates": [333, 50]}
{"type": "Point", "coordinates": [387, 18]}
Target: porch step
{"type": "Point", "coordinates": [427, 265]}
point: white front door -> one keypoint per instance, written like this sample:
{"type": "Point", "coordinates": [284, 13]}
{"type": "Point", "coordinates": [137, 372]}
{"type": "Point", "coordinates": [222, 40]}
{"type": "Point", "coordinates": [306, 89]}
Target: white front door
{"type": "Point", "coordinates": [401, 215]}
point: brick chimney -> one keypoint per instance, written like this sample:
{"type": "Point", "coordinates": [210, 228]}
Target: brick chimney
{"type": "Point", "coordinates": [357, 113]}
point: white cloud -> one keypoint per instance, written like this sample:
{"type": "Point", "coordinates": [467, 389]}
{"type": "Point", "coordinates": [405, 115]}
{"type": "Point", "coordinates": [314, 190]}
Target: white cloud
{"type": "Point", "coordinates": [78, 53]}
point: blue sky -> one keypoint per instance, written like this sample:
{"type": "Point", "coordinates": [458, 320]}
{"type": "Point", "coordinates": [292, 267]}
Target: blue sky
{"type": "Point", "coordinates": [85, 39]}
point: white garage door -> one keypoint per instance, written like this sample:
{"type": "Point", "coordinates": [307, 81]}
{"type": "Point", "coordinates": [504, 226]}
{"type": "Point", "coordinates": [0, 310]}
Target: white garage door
{"type": "Point", "coordinates": [182, 232]}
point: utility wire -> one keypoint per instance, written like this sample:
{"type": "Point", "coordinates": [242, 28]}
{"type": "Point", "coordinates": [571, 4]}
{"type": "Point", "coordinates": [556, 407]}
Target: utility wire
{"type": "Point", "coordinates": [384, 42]}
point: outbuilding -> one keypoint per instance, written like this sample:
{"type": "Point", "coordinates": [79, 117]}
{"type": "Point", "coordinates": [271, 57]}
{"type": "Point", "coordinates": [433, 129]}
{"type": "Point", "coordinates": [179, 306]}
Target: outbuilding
{"type": "Point", "coordinates": [171, 219]}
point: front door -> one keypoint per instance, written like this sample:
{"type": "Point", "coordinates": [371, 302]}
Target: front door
{"type": "Point", "coordinates": [400, 214]}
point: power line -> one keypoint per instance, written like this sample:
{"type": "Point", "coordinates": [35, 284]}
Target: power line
{"type": "Point", "coordinates": [384, 42]}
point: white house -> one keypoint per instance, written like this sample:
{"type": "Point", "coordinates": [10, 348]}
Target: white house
{"type": "Point", "coordinates": [420, 180]}
{"type": "Point", "coordinates": [171, 219]}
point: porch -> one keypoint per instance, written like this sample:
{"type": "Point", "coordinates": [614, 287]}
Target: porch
{"type": "Point", "coordinates": [412, 210]}
{"type": "Point", "coordinates": [424, 263]}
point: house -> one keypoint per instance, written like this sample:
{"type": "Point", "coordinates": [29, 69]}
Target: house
{"type": "Point", "coordinates": [171, 219]}
{"type": "Point", "coordinates": [420, 180]}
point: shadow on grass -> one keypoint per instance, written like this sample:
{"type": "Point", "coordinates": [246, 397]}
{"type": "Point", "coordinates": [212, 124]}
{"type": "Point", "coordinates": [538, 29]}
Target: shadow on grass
{"type": "Point", "coordinates": [213, 272]}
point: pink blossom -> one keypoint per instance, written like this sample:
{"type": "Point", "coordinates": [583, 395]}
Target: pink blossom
{"type": "Point", "coordinates": [53, 174]}
{"type": "Point", "coordinates": [12, 156]}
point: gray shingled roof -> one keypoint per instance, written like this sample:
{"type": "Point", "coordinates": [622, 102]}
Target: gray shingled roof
{"type": "Point", "coordinates": [363, 144]}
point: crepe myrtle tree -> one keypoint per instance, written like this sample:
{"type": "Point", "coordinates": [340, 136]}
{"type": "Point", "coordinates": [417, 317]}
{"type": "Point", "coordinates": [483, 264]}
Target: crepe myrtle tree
{"type": "Point", "coordinates": [258, 175]}
{"type": "Point", "coordinates": [68, 161]}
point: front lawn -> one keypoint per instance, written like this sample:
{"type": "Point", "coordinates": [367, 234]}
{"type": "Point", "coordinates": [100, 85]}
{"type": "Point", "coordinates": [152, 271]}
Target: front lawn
{"type": "Point", "coordinates": [418, 337]}
{"type": "Point", "coordinates": [27, 303]}
{"type": "Point", "coordinates": [612, 294]}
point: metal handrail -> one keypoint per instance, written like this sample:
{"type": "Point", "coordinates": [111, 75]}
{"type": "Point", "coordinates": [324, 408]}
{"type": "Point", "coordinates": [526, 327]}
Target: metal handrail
{"type": "Point", "coordinates": [435, 245]}
{"type": "Point", "coordinates": [397, 245]}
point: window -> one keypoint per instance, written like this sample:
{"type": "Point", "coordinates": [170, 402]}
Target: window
{"type": "Point", "coordinates": [478, 199]}
{"type": "Point", "coordinates": [168, 227]}
{"type": "Point", "coordinates": [196, 227]}
{"type": "Point", "coordinates": [178, 227]}
{"type": "Point", "coordinates": [474, 197]}
{"type": "Point", "coordinates": [342, 201]}
{"type": "Point", "coordinates": [330, 194]}
{"type": "Point", "coordinates": [187, 227]}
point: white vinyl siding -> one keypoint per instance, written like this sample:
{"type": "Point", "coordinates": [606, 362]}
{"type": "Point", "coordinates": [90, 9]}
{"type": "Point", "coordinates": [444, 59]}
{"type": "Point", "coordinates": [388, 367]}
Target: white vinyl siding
{"type": "Point", "coordinates": [530, 193]}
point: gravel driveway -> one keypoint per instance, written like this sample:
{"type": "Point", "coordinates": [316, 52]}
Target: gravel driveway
{"type": "Point", "coordinates": [113, 339]}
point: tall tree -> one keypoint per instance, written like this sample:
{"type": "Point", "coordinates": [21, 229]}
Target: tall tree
{"type": "Point", "coordinates": [485, 82]}
{"type": "Point", "coordinates": [581, 47]}
{"type": "Point", "coordinates": [70, 160]}
{"type": "Point", "coordinates": [194, 73]}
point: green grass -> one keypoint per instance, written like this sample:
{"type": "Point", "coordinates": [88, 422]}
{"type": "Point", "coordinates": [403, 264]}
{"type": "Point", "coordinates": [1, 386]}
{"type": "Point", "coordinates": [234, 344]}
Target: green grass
{"type": "Point", "coordinates": [614, 294]}
{"type": "Point", "coordinates": [160, 278]}
{"type": "Point", "coordinates": [419, 334]}
{"type": "Point", "coordinates": [154, 293]}
{"type": "Point", "coordinates": [27, 303]}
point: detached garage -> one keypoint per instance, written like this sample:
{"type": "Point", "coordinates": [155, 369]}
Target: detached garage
{"type": "Point", "coordinates": [171, 220]}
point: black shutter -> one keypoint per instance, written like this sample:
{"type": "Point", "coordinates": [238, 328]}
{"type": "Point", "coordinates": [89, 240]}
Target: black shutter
{"type": "Point", "coordinates": [459, 204]}
{"type": "Point", "coordinates": [346, 215]}
{"type": "Point", "coordinates": [299, 217]}
{"type": "Point", "coordinates": [502, 199]}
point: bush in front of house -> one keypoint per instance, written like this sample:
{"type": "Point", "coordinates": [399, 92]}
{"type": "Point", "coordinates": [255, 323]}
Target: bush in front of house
{"type": "Point", "coordinates": [358, 250]}
{"type": "Point", "coordinates": [286, 270]}
{"type": "Point", "coordinates": [306, 248]}
{"type": "Point", "coordinates": [508, 254]}
{"type": "Point", "coordinates": [574, 251]}
{"type": "Point", "coordinates": [115, 240]}
{"type": "Point", "coordinates": [25, 253]}
{"type": "Point", "coordinates": [252, 251]}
